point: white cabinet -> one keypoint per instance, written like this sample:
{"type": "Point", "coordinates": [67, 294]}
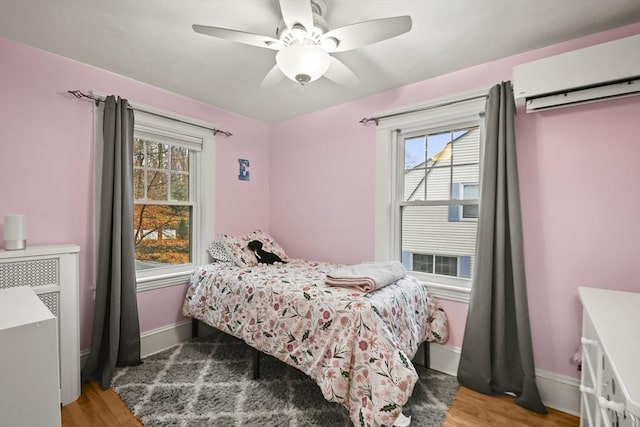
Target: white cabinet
{"type": "Point", "coordinates": [610, 384]}
{"type": "Point", "coordinates": [52, 273]}
{"type": "Point", "coordinates": [29, 388]}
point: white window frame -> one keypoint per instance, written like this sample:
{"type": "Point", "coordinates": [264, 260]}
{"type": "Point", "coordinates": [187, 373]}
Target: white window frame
{"type": "Point", "coordinates": [191, 133]}
{"type": "Point", "coordinates": [458, 111]}
{"type": "Point", "coordinates": [462, 186]}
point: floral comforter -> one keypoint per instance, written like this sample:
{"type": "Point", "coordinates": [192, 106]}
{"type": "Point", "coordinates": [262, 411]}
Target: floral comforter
{"type": "Point", "coordinates": [356, 346]}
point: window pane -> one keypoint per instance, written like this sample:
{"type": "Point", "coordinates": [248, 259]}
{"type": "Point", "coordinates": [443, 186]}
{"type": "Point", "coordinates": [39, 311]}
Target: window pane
{"type": "Point", "coordinates": [446, 265]}
{"type": "Point", "coordinates": [157, 185]}
{"type": "Point", "coordinates": [465, 175]}
{"type": "Point", "coordinates": [162, 235]}
{"type": "Point", "coordinates": [470, 192]}
{"type": "Point", "coordinates": [157, 155]}
{"type": "Point", "coordinates": [470, 211]}
{"type": "Point", "coordinates": [438, 182]}
{"type": "Point", "coordinates": [422, 262]}
{"type": "Point", "coordinates": [179, 159]}
{"type": "Point", "coordinates": [415, 150]}
{"type": "Point", "coordinates": [180, 187]}
{"type": "Point", "coordinates": [438, 148]}
{"type": "Point", "coordinates": [427, 230]}
{"type": "Point", "coordinates": [438, 166]}
{"type": "Point", "coordinates": [466, 146]}
{"type": "Point", "coordinates": [138, 152]}
{"type": "Point", "coordinates": [138, 184]}
{"type": "Point", "coordinates": [414, 184]}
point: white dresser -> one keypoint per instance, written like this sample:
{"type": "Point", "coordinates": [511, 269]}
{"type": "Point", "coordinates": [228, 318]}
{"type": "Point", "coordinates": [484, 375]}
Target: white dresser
{"type": "Point", "coordinates": [51, 272]}
{"type": "Point", "coordinates": [610, 385]}
{"type": "Point", "coordinates": [29, 381]}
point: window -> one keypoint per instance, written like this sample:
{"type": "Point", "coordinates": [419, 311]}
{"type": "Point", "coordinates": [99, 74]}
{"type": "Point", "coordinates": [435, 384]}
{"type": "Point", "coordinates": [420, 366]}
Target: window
{"type": "Point", "coordinates": [422, 262]}
{"type": "Point", "coordinates": [174, 198]}
{"type": "Point", "coordinates": [438, 264]}
{"type": "Point", "coordinates": [174, 194]}
{"type": "Point", "coordinates": [470, 192]}
{"type": "Point", "coordinates": [427, 193]}
{"type": "Point", "coordinates": [439, 169]}
{"type": "Point", "coordinates": [163, 203]}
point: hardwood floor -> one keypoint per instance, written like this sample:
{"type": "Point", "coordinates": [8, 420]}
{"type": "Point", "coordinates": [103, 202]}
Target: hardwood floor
{"type": "Point", "coordinates": [471, 409]}
{"type": "Point", "coordinates": [97, 407]}
{"type": "Point", "coordinates": [103, 408]}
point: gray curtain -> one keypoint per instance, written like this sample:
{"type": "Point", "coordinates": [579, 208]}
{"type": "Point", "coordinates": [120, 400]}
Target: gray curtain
{"type": "Point", "coordinates": [497, 356]}
{"type": "Point", "coordinates": [116, 331]}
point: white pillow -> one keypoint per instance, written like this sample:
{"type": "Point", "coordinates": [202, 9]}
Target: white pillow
{"type": "Point", "coordinates": [218, 252]}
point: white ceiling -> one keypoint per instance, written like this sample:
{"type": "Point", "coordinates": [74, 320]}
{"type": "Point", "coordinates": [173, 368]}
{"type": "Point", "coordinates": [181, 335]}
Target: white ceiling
{"type": "Point", "coordinates": [152, 41]}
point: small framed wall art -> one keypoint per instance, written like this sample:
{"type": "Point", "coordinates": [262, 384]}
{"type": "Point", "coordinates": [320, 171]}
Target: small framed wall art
{"type": "Point", "coordinates": [243, 173]}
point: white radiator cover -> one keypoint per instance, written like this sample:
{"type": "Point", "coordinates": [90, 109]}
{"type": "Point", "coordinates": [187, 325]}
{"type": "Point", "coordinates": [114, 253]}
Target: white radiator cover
{"type": "Point", "coordinates": [604, 71]}
{"type": "Point", "coordinates": [52, 273]}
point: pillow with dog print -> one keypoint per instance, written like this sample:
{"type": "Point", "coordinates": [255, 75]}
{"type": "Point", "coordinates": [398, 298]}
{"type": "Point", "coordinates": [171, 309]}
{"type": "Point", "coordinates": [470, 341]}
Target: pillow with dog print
{"type": "Point", "coordinates": [236, 247]}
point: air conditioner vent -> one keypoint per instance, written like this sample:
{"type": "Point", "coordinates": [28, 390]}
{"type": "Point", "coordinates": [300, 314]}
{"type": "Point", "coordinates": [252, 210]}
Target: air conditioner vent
{"type": "Point", "coordinates": [605, 71]}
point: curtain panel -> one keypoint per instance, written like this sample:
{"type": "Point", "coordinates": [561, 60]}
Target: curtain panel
{"type": "Point", "coordinates": [116, 330]}
{"type": "Point", "coordinates": [497, 355]}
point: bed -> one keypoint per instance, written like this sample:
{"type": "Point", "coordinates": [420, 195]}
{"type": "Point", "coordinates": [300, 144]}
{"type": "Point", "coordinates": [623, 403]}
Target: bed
{"type": "Point", "coordinates": [356, 346]}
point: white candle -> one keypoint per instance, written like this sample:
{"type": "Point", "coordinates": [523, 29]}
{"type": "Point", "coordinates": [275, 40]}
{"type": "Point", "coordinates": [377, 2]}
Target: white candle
{"type": "Point", "coordinates": [15, 232]}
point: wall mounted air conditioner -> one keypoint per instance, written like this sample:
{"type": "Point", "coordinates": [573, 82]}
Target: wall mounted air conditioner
{"type": "Point", "coordinates": [595, 73]}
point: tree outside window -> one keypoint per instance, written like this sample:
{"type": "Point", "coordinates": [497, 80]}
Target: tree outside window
{"type": "Point", "coordinates": [162, 204]}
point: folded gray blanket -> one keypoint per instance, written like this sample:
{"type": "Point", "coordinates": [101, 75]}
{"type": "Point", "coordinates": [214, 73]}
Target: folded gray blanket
{"type": "Point", "coordinates": [367, 276]}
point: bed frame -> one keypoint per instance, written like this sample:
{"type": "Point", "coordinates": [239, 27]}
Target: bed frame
{"type": "Point", "coordinates": [255, 361]}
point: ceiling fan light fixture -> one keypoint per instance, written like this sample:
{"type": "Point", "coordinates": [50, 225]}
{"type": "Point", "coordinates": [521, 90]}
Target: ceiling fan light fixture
{"type": "Point", "coordinates": [329, 43]}
{"type": "Point", "coordinates": [303, 63]}
{"type": "Point", "coordinates": [298, 32]}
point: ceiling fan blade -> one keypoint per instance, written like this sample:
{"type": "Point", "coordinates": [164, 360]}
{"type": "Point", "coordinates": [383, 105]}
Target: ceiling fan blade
{"type": "Point", "coordinates": [340, 73]}
{"type": "Point", "coordinates": [273, 77]}
{"type": "Point", "coordinates": [297, 12]}
{"type": "Point", "coordinates": [367, 32]}
{"type": "Point", "coordinates": [239, 36]}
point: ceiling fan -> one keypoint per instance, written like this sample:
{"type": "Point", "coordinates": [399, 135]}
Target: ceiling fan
{"type": "Point", "coordinates": [304, 43]}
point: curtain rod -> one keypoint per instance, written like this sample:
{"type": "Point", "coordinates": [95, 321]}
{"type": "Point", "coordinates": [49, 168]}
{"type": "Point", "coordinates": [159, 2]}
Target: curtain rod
{"type": "Point", "coordinates": [366, 120]}
{"type": "Point", "coordinates": [79, 94]}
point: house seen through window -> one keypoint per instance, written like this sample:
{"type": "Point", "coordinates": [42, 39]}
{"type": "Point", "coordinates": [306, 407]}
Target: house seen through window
{"type": "Point", "coordinates": [438, 204]}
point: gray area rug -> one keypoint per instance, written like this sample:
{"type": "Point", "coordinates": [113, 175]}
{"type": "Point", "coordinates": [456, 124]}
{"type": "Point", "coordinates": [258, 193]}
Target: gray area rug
{"type": "Point", "coordinates": [208, 382]}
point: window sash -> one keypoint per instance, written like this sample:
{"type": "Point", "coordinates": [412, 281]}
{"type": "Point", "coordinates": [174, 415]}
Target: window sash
{"type": "Point", "coordinates": [168, 170]}
{"type": "Point", "coordinates": [171, 274]}
{"type": "Point", "coordinates": [390, 163]}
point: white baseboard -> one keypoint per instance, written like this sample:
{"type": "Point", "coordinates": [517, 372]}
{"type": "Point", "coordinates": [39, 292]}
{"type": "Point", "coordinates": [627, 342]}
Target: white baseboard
{"type": "Point", "coordinates": [444, 358]}
{"type": "Point", "coordinates": [556, 391]}
{"type": "Point", "coordinates": [159, 339]}
{"type": "Point", "coordinates": [559, 391]}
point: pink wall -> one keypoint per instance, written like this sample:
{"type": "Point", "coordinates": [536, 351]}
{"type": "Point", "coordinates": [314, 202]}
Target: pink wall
{"type": "Point", "coordinates": [578, 170]}
{"type": "Point", "coordinates": [46, 162]}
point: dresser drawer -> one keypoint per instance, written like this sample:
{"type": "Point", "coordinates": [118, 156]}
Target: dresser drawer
{"type": "Point", "coordinates": [610, 380]}
{"type": "Point", "coordinates": [612, 401]}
